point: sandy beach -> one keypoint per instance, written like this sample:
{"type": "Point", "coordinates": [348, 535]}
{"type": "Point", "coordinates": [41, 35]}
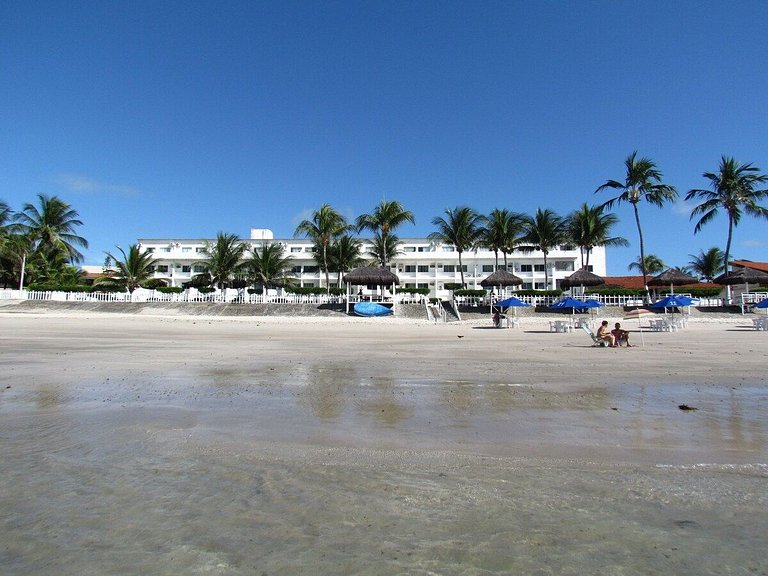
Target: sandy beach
{"type": "Point", "coordinates": [269, 445]}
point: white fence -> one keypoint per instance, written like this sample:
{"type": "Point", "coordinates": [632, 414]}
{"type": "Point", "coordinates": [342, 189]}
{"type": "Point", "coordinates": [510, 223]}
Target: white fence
{"type": "Point", "coordinates": [230, 296]}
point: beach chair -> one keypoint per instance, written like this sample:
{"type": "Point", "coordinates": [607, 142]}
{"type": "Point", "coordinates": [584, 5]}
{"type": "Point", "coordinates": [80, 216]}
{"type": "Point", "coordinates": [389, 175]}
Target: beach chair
{"type": "Point", "coordinates": [595, 340]}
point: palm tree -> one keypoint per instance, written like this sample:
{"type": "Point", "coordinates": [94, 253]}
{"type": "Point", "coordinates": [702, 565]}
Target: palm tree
{"type": "Point", "coordinates": [384, 248]}
{"type": "Point", "coordinates": [345, 254]}
{"type": "Point", "coordinates": [650, 263]}
{"type": "Point", "coordinates": [268, 266]}
{"type": "Point", "coordinates": [642, 181]}
{"type": "Point", "coordinates": [326, 225]}
{"type": "Point", "coordinates": [544, 231]}
{"type": "Point", "coordinates": [5, 217]}
{"type": "Point", "coordinates": [134, 268]}
{"type": "Point", "coordinates": [52, 227]}
{"type": "Point", "coordinates": [709, 264]}
{"type": "Point", "coordinates": [734, 189]}
{"type": "Point", "coordinates": [461, 227]}
{"type": "Point", "coordinates": [385, 218]}
{"type": "Point", "coordinates": [223, 258]}
{"type": "Point", "coordinates": [589, 226]}
{"type": "Point", "coordinates": [502, 231]}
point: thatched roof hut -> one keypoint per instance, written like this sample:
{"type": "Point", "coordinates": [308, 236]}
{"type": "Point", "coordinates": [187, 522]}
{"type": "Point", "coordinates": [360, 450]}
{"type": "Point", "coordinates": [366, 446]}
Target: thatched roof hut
{"type": "Point", "coordinates": [371, 275]}
{"type": "Point", "coordinates": [672, 277]}
{"type": "Point", "coordinates": [501, 278]}
{"type": "Point", "coordinates": [582, 277]}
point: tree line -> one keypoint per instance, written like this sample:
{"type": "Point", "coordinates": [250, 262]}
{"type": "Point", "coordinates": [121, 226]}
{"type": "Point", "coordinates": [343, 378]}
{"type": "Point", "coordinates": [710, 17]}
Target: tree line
{"type": "Point", "coordinates": [41, 240]}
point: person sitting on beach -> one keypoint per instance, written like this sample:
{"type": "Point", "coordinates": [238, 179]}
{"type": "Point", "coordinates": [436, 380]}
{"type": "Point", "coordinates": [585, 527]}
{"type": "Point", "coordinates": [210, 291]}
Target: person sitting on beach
{"type": "Point", "coordinates": [605, 335]}
{"type": "Point", "coordinates": [621, 336]}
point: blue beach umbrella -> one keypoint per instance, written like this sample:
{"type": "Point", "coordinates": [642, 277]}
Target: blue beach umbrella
{"type": "Point", "coordinates": [672, 301]}
{"type": "Point", "coordinates": [511, 302]}
{"type": "Point", "coordinates": [761, 306]}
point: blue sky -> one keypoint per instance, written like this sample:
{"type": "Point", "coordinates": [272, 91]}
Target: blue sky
{"type": "Point", "coordinates": [181, 119]}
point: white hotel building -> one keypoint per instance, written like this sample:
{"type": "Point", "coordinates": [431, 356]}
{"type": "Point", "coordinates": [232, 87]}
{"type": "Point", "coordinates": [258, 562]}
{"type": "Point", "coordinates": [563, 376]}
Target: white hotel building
{"type": "Point", "coordinates": [422, 263]}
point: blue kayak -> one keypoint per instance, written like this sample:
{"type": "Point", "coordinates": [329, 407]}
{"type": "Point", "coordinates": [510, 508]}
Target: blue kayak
{"type": "Point", "coordinates": [371, 309]}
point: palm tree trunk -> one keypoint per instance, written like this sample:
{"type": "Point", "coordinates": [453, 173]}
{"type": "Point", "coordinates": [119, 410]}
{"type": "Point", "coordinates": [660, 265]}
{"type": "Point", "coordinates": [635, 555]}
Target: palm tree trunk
{"type": "Point", "coordinates": [727, 255]}
{"type": "Point", "coordinates": [642, 248]}
{"type": "Point", "coordinates": [586, 266]}
{"type": "Point", "coordinates": [461, 269]}
{"type": "Point", "coordinates": [546, 272]}
{"type": "Point", "coordinates": [325, 267]}
{"type": "Point", "coordinates": [496, 255]}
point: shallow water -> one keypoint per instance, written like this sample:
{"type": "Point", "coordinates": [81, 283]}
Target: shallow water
{"type": "Point", "coordinates": [323, 470]}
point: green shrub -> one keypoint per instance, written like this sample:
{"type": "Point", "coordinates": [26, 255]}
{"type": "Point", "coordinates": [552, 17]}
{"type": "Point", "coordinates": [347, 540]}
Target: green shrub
{"type": "Point", "coordinates": [702, 292]}
{"type": "Point", "coordinates": [453, 286]}
{"type": "Point", "coordinates": [468, 292]}
{"type": "Point", "coordinates": [170, 289]}
{"type": "Point", "coordinates": [255, 290]}
{"type": "Point", "coordinates": [206, 289]}
{"type": "Point", "coordinates": [52, 287]}
{"type": "Point", "coordinates": [530, 292]}
{"type": "Point", "coordinates": [616, 292]}
{"type": "Point", "coordinates": [154, 283]}
{"type": "Point", "coordinates": [422, 291]}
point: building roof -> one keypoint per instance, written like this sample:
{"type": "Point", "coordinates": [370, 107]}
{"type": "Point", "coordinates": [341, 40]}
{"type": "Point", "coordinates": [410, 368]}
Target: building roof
{"type": "Point", "coordinates": [762, 266]}
{"type": "Point", "coordinates": [636, 283]}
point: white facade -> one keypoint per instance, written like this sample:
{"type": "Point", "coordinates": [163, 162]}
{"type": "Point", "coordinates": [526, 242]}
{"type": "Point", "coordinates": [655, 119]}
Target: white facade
{"type": "Point", "coordinates": [422, 264]}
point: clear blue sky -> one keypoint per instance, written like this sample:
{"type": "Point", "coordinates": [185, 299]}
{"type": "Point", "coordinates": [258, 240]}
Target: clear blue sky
{"type": "Point", "coordinates": [181, 119]}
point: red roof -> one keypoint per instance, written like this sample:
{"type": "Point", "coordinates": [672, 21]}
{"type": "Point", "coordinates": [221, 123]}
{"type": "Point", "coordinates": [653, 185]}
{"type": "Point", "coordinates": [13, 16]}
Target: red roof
{"type": "Point", "coordinates": [636, 283]}
{"type": "Point", "coordinates": [762, 266]}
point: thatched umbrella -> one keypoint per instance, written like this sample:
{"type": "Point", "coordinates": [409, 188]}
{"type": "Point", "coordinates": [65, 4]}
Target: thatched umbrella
{"type": "Point", "coordinates": [673, 277]}
{"type": "Point", "coordinates": [582, 277]}
{"type": "Point", "coordinates": [743, 276]}
{"type": "Point", "coordinates": [500, 278]}
{"type": "Point", "coordinates": [371, 275]}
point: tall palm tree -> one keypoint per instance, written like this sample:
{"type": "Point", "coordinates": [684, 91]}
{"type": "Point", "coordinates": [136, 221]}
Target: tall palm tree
{"type": "Point", "coordinates": [326, 225]}
{"type": "Point", "coordinates": [52, 226]}
{"type": "Point", "coordinates": [651, 264]}
{"type": "Point", "coordinates": [5, 217]}
{"type": "Point", "coordinates": [709, 264]}
{"type": "Point", "coordinates": [544, 231]}
{"type": "Point", "coordinates": [223, 258]}
{"type": "Point", "coordinates": [131, 270]}
{"type": "Point", "coordinates": [590, 226]}
{"type": "Point", "coordinates": [735, 190]}
{"type": "Point", "coordinates": [268, 266]}
{"type": "Point", "coordinates": [461, 227]}
{"type": "Point", "coordinates": [384, 219]}
{"type": "Point", "coordinates": [502, 231]}
{"type": "Point", "coordinates": [384, 248]}
{"type": "Point", "coordinates": [345, 254]}
{"type": "Point", "coordinates": [642, 181]}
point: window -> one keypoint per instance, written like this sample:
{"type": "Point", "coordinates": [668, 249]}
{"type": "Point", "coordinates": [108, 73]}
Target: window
{"type": "Point", "coordinates": [410, 285]}
{"type": "Point", "coordinates": [424, 249]}
{"type": "Point", "coordinates": [295, 249]}
{"type": "Point", "coordinates": [449, 268]}
{"type": "Point", "coordinates": [311, 270]}
{"type": "Point", "coordinates": [198, 269]}
{"type": "Point", "coordinates": [449, 248]}
{"type": "Point", "coordinates": [310, 249]}
{"type": "Point", "coordinates": [296, 270]}
{"type": "Point", "coordinates": [541, 286]}
{"type": "Point", "coordinates": [162, 268]}
{"type": "Point", "coordinates": [409, 268]}
{"type": "Point", "coordinates": [527, 286]}
{"type": "Point", "coordinates": [186, 269]}
{"type": "Point", "coordinates": [567, 247]}
{"type": "Point", "coordinates": [563, 266]}
{"type": "Point", "coordinates": [538, 267]}
{"type": "Point", "coordinates": [200, 250]}
{"type": "Point", "coordinates": [487, 267]}
{"type": "Point", "coordinates": [526, 268]}
{"type": "Point", "coordinates": [410, 249]}
{"type": "Point", "coordinates": [186, 249]}
{"type": "Point", "coordinates": [423, 268]}
{"type": "Point", "coordinates": [423, 285]}
{"type": "Point", "coordinates": [309, 284]}
{"type": "Point", "coordinates": [150, 250]}
{"type": "Point", "coordinates": [165, 249]}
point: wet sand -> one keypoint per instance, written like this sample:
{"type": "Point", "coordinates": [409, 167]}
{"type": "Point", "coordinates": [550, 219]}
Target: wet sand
{"type": "Point", "coordinates": [344, 446]}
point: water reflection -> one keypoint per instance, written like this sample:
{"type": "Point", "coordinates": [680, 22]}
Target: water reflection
{"type": "Point", "coordinates": [328, 389]}
{"type": "Point", "coordinates": [385, 401]}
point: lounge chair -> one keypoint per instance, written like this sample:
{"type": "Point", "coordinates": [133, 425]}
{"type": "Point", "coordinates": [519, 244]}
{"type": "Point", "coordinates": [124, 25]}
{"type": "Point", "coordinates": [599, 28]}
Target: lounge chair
{"type": "Point", "coordinates": [595, 340]}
